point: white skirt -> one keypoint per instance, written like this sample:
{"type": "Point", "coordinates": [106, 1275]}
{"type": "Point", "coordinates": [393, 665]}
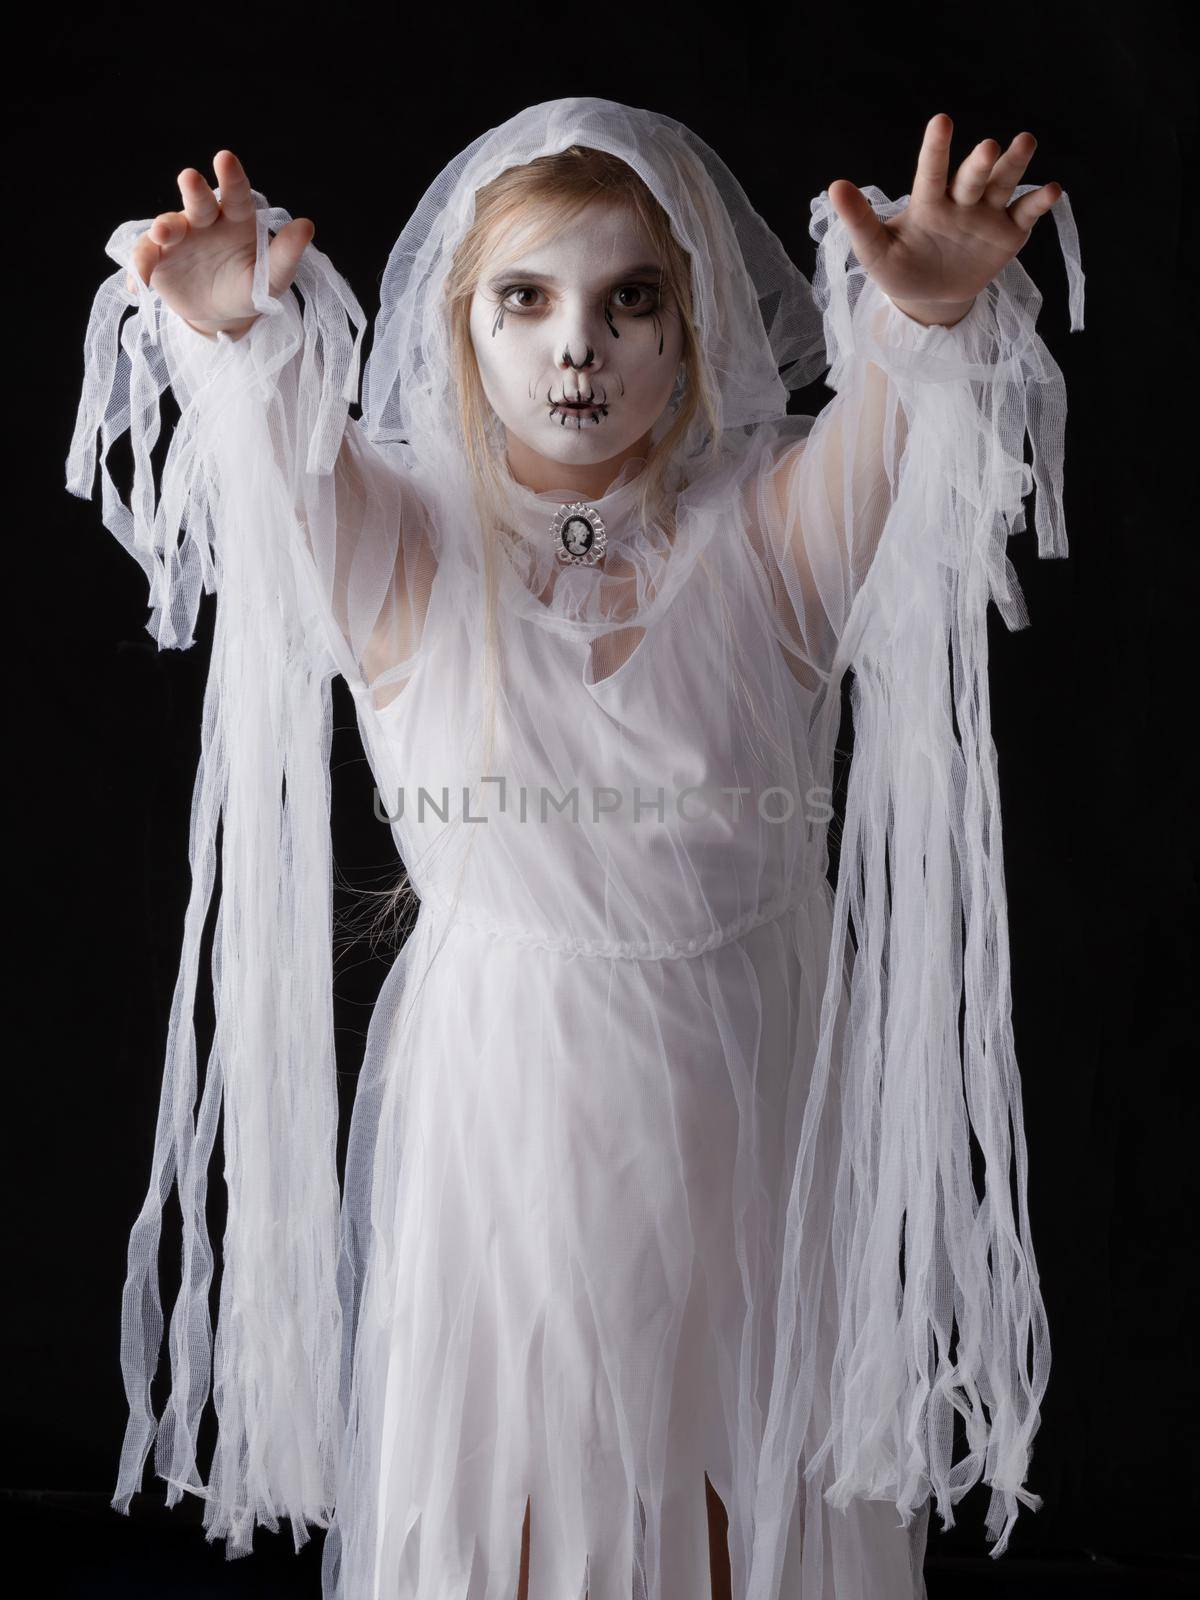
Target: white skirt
{"type": "Point", "coordinates": [566, 1186]}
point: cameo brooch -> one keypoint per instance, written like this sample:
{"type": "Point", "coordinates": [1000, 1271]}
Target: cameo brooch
{"type": "Point", "coordinates": [578, 534]}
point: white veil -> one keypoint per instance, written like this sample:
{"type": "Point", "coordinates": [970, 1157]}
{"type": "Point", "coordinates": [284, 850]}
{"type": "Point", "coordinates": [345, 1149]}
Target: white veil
{"type": "Point", "coordinates": [320, 536]}
{"type": "Point", "coordinates": [761, 330]}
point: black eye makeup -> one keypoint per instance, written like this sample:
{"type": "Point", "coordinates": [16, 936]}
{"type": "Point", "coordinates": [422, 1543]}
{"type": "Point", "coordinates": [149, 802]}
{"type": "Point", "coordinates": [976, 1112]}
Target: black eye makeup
{"type": "Point", "coordinates": [645, 298]}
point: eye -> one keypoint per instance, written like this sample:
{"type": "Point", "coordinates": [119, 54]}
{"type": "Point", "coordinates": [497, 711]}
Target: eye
{"type": "Point", "coordinates": [646, 297]}
{"type": "Point", "coordinates": [639, 299]}
{"type": "Point", "coordinates": [507, 293]}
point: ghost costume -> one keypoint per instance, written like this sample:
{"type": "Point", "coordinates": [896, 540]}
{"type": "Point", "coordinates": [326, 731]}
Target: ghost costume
{"type": "Point", "coordinates": [661, 1155]}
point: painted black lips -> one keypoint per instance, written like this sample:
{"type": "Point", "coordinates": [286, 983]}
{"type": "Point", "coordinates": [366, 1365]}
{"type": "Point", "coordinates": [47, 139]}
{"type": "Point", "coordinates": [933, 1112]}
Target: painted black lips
{"type": "Point", "coordinates": [595, 410]}
{"type": "Point", "coordinates": [576, 402]}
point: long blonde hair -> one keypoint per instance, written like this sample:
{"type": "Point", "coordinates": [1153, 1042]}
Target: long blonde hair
{"type": "Point", "coordinates": [559, 186]}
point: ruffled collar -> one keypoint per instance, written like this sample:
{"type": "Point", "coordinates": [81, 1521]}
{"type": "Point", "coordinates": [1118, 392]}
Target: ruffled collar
{"type": "Point", "coordinates": [534, 511]}
{"type": "Point", "coordinates": [586, 599]}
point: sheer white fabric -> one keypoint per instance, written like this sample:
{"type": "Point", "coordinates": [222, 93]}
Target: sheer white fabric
{"type": "Point", "coordinates": [660, 1160]}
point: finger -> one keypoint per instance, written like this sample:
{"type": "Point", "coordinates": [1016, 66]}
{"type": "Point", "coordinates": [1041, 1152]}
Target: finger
{"type": "Point", "coordinates": [284, 252]}
{"type": "Point", "coordinates": [237, 200]}
{"type": "Point", "coordinates": [1035, 204]}
{"type": "Point", "coordinates": [143, 259]}
{"type": "Point", "coordinates": [168, 228]}
{"type": "Point", "coordinates": [148, 248]}
{"type": "Point", "coordinates": [971, 179]}
{"type": "Point", "coordinates": [933, 160]}
{"type": "Point", "coordinates": [868, 235]}
{"type": "Point", "coordinates": [200, 205]}
{"type": "Point", "coordinates": [1009, 170]}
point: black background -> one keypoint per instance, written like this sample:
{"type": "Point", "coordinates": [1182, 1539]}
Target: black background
{"type": "Point", "coordinates": [346, 122]}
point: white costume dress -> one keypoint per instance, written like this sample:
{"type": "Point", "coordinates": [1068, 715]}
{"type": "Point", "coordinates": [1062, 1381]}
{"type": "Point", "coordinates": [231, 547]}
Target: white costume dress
{"type": "Point", "coordinates": [660, 1159]}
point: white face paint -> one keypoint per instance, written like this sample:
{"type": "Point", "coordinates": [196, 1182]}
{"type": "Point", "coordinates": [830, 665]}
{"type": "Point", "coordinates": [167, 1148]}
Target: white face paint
{"type": "Point", "coordinates": [577, 350]}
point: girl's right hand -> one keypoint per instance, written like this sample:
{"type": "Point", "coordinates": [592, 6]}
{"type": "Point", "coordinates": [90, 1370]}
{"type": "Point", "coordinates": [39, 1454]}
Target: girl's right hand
{"type": "Point", "coordinates": [200, 261]}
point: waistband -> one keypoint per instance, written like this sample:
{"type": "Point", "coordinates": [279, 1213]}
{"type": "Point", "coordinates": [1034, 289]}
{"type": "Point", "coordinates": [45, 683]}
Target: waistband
{"type": "Point", "coordinates": [442, 910]}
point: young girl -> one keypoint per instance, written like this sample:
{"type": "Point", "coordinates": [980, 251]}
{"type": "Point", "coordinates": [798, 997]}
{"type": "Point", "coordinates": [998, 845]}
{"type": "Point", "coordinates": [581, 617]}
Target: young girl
{"type": "Point", "coordinates": [660, 1163]}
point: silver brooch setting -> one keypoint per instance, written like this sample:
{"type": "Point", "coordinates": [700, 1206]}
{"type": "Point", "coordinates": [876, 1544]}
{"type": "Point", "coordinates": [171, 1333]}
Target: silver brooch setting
{"type": "Point", "coordinates": [578, 533]}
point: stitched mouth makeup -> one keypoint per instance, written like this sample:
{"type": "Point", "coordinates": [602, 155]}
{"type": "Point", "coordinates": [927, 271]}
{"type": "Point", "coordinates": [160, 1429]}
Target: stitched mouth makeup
{"type": "Point", "coordinates": [581, 411]}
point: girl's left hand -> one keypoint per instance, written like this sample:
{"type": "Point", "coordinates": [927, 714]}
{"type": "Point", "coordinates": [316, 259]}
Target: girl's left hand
{"type": "Point", "coordinates": [951, 240]}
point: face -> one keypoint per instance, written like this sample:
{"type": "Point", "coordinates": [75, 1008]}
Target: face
{"type": "Point", "coordinates": [577, 345]}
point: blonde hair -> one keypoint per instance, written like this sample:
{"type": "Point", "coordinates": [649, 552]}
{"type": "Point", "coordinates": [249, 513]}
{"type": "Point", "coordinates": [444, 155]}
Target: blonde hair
{"type": "Point", "coordinates": [559, 185]}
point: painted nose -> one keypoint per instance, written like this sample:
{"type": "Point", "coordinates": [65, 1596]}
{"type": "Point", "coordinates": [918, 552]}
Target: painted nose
{"type": "Point", "coordinates": [578, 346]}
{"type": "Point", "coordinates": [569, 359]}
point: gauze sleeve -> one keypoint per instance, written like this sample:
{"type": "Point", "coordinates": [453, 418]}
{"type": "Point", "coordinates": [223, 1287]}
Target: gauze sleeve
{"type": "Point", "coordinates": [885, 529]}
{"type": "Point", "coordinates": [318, 551]}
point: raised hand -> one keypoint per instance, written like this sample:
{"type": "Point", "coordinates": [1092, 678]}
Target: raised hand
{"type": "Point", "coordinates": [200, 260]}
{"type": "Point", "coordinates": [952, 238]}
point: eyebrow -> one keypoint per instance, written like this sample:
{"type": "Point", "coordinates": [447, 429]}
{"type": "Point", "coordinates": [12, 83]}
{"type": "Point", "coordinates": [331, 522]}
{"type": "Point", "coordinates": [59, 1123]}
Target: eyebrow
{"type": "Point", "coordinates": [511, 274]}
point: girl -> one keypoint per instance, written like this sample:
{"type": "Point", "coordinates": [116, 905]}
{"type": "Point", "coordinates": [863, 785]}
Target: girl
{"type": "Point", "coordinates": [659, 1169]}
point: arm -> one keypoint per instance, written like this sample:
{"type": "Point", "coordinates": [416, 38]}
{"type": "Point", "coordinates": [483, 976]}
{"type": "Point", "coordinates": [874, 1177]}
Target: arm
{"type": "Point", "coordinates": [937, 370]}
{"type": "Point", "coordinates": [366, 531]}
{"type": "Point", "coordinates": [316, 546]}
{"type": "Point", "coordinates": [884, 530]}
{"type": "Point", "coordinates": [262, 382]}
{"type": "Point", "coordinates": [822, 501]}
